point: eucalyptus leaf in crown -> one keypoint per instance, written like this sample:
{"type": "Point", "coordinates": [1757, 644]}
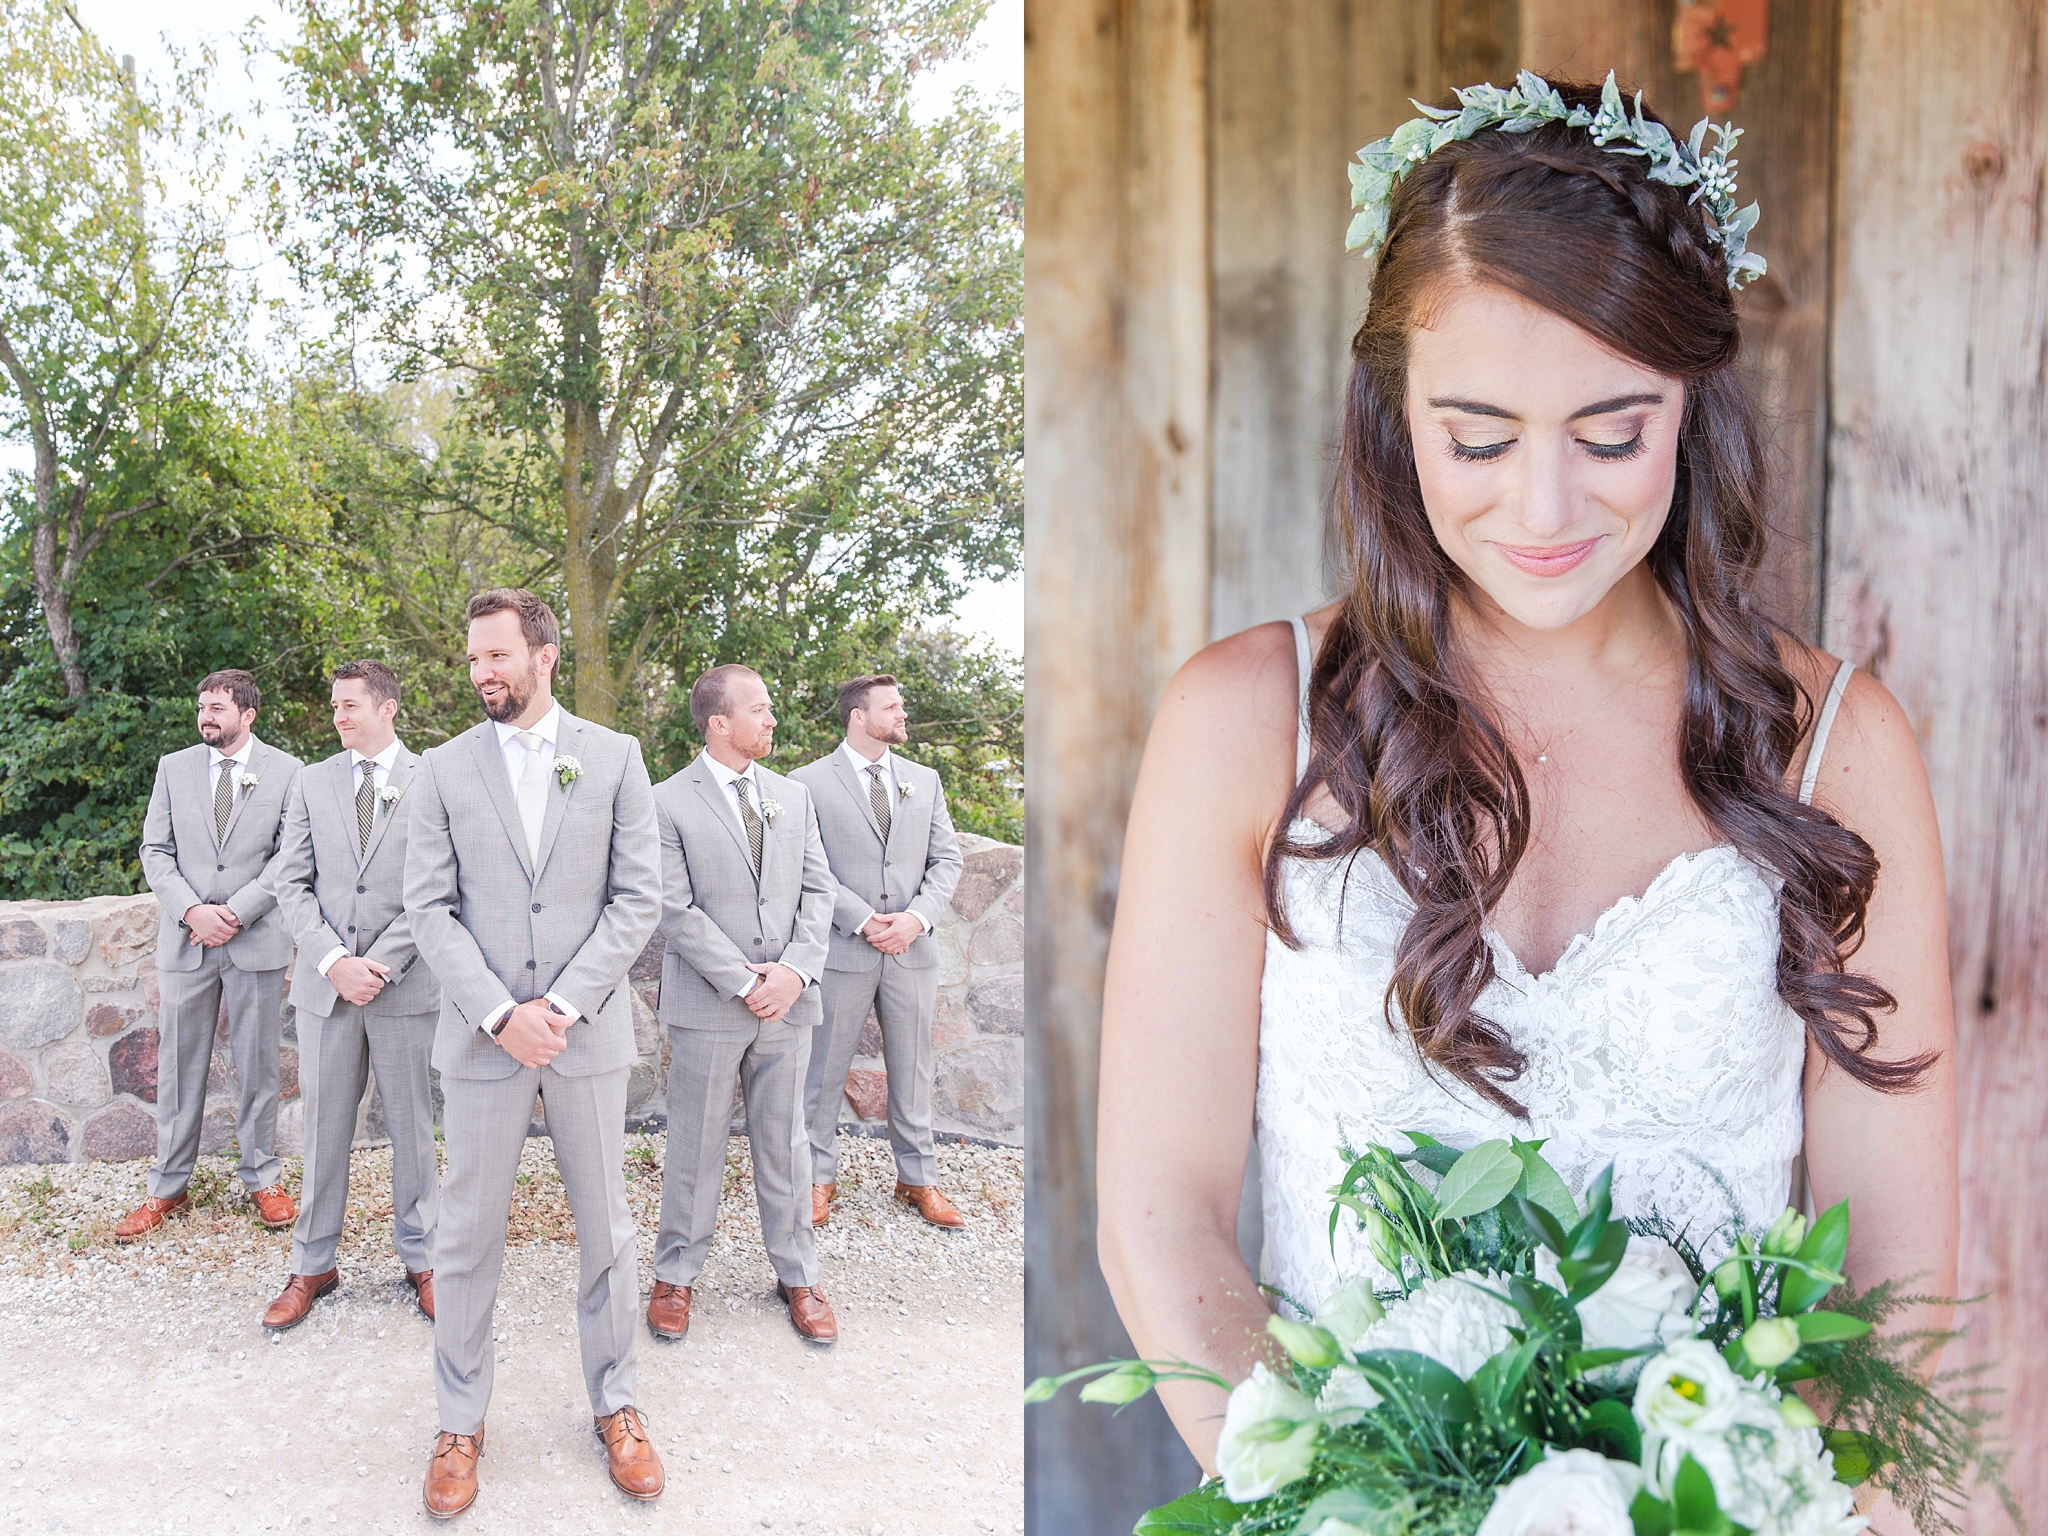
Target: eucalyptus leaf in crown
{"type": "Point", "coordinates": [1533, 102]}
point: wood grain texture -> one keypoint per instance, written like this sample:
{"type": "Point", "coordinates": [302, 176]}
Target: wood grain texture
{"type": "Point", "coordinates": [1116, 596]}
{"type": "Point", "coordinates": [1296, 86]}
{"type": "Point", "coordinates": [1937, 563]}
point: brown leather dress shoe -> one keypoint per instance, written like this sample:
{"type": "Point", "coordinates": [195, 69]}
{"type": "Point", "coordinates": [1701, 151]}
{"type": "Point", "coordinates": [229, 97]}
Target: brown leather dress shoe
{"type": "Point", "coordinates": [809, 1313]}
{"type": "Point", "coordinates": [274, 1206]}
{"type": "Point", "coordinates": [930, 1203]}
{"type": "Point", "coordinates": [297, 1298]}
{"type": "Point", "coordinates": [821, 1202]}
{"type": "Point", "coordinates": [668, 1310]}
{"type": "Point", "coordinates": [422, 1283]}
{"type": "Point", "coordinates": [451, 1474]}
{"type": "Point", "coordinates": [636, 1468]}
{"type": "Point", "coordinates": [148, 1216]}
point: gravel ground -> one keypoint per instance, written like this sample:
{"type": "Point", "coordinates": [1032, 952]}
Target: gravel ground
{"type": "Point", "coordinates": [139, 1391]}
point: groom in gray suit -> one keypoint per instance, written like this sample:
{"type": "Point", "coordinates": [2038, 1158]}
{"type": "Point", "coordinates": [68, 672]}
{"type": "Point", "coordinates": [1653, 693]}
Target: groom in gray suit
{"type": "Point", "coordinates": [207, 842]}
{"type": "Point", "coordinates": [895, 864]}
{"type": "Point", "coordinates": [746, 903]}
{"type": "Point", "coordinates": [363, 999]}
{"type": "Point", "coordinates": [532, 879]}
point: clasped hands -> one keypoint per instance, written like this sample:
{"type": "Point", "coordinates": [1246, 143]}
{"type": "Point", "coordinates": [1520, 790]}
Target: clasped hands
{"type": "Point", "coordinates": [534, 1034]}
{"type": "Point", "coordinates": [212, 924]}
{"type": "Point", "coordinates": [357, 979]}
{"type": "Point", "coordinates": [892, 932]}
{"type": "Point", "coordinates": [775, 993]}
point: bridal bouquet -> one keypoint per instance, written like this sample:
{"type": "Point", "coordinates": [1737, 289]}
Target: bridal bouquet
{"type": "Point", "coordinates": [1543, 1370]}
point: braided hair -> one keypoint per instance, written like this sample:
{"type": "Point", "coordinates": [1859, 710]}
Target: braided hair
{"type": "Point", "coordinates": [1400, 739]}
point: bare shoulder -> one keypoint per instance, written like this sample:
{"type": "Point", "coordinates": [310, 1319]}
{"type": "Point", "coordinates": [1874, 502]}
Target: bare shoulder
{"type": "Point", "coordinates": [1871, 777]}
{"type": "Point", "coordinates": [1239, 693]}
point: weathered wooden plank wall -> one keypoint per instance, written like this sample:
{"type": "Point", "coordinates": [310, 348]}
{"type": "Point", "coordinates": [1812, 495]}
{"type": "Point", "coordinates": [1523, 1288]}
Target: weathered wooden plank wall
{"type": "Point", "coordinates": [1116, 466]}
{"type": "Point", "coordinates": [1937, 566]}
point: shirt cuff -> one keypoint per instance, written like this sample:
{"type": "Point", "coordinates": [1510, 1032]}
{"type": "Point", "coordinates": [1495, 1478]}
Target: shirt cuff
{"type": "Point", "coordinates": [563, 1005]}
{"type": "Point", "coordinates": [924, 920]}
{"type": "Point", "coordinates": [753, 981]}
{"type": "Point", "coordinates": [802, 975]}
{"type": "Point", "coordinates": [495, 1014]}
{"type": "Point", "coordinates": [330, 957]}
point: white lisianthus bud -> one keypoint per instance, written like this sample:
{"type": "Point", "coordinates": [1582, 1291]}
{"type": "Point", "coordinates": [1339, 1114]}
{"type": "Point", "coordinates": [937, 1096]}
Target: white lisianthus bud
{"type": "Point", "coordinates": [1568, 1493]}
{"type": "Point", "coordinates": [1349, 1310]}
{"type": "Point", "coordinates": [1786, 1234]}
{"type": "Point", "coordinates": [1728, 1280]}
{"type": "Point", "coordinates": [1269, 1437]}
{"type": "Point", "coordinates": [1379, 1236]}
{"type": "Point", "coordinates": [1795, 1413]}
{"type": "Point", "coordinates": [1312, 1346]}
{"type": "Point", "coordinates": [1771, 1341]}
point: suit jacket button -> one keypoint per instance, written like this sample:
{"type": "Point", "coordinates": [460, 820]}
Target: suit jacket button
{"type": "Point", "coordinates": [351, 927]}
{"type": "Point", "coordinates": [529, 965]}
{"type": "Point", "coordinates": [360, 889]}
{"type": "Point", "coordinates": [536, 906]}
{"type": "Point", "coordinates": [219, 867]}
{"type": "Point", "coordinates": [760, 901]}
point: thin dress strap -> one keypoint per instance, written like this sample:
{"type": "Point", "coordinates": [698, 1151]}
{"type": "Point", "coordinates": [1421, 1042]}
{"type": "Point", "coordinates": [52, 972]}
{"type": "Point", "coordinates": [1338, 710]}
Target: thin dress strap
{"type": "Point", "coordinates": [1301, 669]}
{"type": "Point", "coordinates": [1821, 727]}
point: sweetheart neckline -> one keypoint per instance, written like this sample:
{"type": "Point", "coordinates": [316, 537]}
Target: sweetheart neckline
{"type": "Point", "coordinates": [1616, 914]}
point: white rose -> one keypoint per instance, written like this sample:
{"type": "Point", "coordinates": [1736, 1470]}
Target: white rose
{"type": "Point", "coordinates": [1645, 1301]}
{"type": "Point", "coordinates": [1452, 1320]}
{"type": "Point", "coordinates": [1569, 1493]}
{"type": "Point", "coordinates": [1689, 1403]}
{"type": "Point", "coordinates": [1252, 1464]}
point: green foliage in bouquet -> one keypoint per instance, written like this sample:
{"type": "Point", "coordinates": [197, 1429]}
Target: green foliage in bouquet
{"type": "Point", "coordinates": [1499, 1375]}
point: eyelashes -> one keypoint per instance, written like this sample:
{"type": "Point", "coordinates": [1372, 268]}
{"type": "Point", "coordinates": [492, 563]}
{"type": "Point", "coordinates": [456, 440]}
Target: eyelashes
{"type": "Point", "coordinates": [1606, 453]}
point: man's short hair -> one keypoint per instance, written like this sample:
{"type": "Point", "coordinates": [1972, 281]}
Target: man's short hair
{"type": "Point", "coordinates": [236, 684]}
{"type": "Point", "coordinates": [711, 694]}
{"type": "Point", "coordinates": [536, 618]}
{"type": "Point", "coordinates": [854, 695]}
{"type": "Point", "coordinates": [373, 675]}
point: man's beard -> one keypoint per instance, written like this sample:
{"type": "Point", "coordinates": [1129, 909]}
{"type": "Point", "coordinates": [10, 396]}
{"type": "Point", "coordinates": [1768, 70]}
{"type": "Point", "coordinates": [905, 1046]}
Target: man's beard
{"type": "Point", "coordinates": [517, 695]}
{"type": "Point", "coordinates": [894, 737]}
{"type": "Point", "coordinates": [216, 736]}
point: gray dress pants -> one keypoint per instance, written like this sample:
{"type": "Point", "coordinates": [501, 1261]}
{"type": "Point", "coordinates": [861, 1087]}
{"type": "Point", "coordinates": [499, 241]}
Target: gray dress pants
{"type": "Point", "coordinates": [483, 1125]}
{"type": "Point", "coordinates": [904, 999]}
{"type": "Point", "coordinates": [187, 1015]}
{"type": "Point", "coordinates": [336, 1056]}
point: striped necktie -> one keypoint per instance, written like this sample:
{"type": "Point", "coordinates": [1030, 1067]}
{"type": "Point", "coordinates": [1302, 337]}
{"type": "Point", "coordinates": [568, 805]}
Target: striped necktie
{"type": "Point", "coordinates": [878, 797]}
{"type": "Point", "coordinates": [223, 798]}
{"type": "Point", "coordinates": [366, 805]}
{"type": "Point", "coordinates": [753, 821]}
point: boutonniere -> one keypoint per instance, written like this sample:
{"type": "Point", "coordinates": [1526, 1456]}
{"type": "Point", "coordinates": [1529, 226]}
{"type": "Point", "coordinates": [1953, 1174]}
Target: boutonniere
{"type": "Point", "coordinates": [770, 809]}
{"type": "Point", "coordinates": [903, 789]}
{"type": "Point", "coordinates": [388, 795]}
{"type": "Point", "coordinates": [245, 780]}
{"type": "Point", "coordinates": [568, 770]}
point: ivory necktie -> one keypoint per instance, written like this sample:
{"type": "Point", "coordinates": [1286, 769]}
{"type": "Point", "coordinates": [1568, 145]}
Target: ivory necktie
{"type": "Point", "coordinates": [366, 805]}
{"type": "Point", "coordinates": [752, 821]}
{"type": "Point", "coordinates": [223, 798]}
{"type": "Point", "coordinates": [878, 797]}
{"type": "Point", "coordinates": [533, 791]}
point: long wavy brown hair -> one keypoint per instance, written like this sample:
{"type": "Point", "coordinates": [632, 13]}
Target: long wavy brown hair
{"type": "Point", "coordinates": [1400, 734]}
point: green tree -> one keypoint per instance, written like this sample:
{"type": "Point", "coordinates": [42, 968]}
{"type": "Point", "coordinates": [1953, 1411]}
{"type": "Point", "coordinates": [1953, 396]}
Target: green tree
{"type": "Point", "coordinates": [719, 308]}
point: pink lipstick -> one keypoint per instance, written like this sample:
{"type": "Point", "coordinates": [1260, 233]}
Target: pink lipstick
{"type": "Point", "coordinates": [1548, 559]}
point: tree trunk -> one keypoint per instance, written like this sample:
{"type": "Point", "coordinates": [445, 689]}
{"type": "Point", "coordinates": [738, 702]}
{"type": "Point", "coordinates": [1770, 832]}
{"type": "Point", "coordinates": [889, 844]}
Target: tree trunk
{"type": "Point", "coordinates": [54, 598]}
{"type": "Point", "coordinates": [593, 689]}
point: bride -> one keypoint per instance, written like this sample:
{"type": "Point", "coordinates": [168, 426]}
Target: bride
{"type": "Point", "coordinates": [1541, 829]}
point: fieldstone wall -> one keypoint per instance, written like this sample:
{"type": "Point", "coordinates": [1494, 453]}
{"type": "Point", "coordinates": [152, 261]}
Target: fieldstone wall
{"type": "Point", "coordinates": [78, 1032]}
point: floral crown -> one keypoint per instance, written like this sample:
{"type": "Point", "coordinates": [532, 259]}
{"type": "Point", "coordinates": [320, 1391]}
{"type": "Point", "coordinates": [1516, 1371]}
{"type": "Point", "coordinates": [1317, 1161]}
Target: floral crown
{"type": "Point", "coordinates": [1675, 162]}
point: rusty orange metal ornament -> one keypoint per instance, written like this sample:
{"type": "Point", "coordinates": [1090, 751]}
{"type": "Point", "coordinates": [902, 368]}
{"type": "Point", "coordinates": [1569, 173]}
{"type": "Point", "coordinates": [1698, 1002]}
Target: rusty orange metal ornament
{"type": "Point", "coordinates": [1717, 40]}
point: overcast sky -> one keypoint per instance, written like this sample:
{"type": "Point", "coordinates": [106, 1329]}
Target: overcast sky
{"type": "Point", "coordinates": [246, 86]}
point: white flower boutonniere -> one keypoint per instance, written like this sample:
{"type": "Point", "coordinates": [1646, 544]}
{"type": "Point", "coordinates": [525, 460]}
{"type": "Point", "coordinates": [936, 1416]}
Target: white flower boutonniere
{"type": "Point", "coordinates": [568, 770]}
{"type": "Point", "coordinates": [770, 810]}
{"type": "Point", "coordinates": [904, 789]}
{"type": "Point", "coordinates": [245, 780]}
{"type": "Point", "coordinates": [388, 795]}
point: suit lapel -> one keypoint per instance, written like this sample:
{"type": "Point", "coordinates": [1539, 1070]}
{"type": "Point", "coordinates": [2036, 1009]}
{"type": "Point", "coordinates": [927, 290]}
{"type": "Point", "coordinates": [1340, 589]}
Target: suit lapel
{"type": "Point", "coordinates": [340, 781]}
{"type": "Point", "coordinates": [857, 786]}
{"type": "Point", "coordinates": [569, 743]}
{"type": "Point", "coordinates": [402, 770]}
{"type": "Point", "coordinates": [202, 793]}
{"type": "Point", "coordinates": [727, 816]}
{"type": "Point", "coordinates": [490, 765]}
{"type": "Point", "coordinates": [259, 756]}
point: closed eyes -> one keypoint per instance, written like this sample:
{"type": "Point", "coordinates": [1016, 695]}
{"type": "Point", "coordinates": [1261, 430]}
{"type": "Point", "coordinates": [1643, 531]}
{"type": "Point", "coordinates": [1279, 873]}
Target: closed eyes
{"type": "Point", "coordinates": [1605, 453]}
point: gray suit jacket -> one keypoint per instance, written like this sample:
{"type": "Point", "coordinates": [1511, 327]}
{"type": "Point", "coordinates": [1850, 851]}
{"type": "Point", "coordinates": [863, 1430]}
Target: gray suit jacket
{"type": "Point", "coordinates": [718, 917]}
{"type": "Point", "coordinates": [330, 893]}
{"type": "Point", "coordinates": [493, 927]}
{"type": "Point", "coordinates": [186, 868]}
{"type": "Point", "coordinates": [917, 871]}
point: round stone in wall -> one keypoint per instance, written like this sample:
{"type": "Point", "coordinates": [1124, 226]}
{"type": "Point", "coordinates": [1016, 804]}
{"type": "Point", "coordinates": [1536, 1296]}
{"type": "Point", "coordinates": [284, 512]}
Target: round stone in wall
{"type": "Point", "coordinates": [39, 1002]}
{"type": "Point", "coordinates": [119, 1131]}
{"type": "Point", "coordinates": [76, 1074]}
{"type": "Point", "coordinates": [34, 1132]}
{"type": "Point", "coordinates": [981, 1086]}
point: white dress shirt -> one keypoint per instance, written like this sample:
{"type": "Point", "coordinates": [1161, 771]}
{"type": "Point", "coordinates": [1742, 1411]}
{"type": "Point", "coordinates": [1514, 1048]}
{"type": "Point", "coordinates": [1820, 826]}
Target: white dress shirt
{"type": "Point", "coordinates": [549, 729]}
{"type": "Point", "coordinates": [887, 763]}
{"type": "Point", "coordinates": [727, 779]}
{"type": "Point", "coordinates": [380, 769]}
{"type": "Point", "coordinates": [239, 757]}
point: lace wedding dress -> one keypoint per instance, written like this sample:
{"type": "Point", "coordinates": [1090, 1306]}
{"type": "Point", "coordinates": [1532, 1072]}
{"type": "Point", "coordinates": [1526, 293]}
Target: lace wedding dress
{"type": "Point", "coordinates": [1657, 1043]}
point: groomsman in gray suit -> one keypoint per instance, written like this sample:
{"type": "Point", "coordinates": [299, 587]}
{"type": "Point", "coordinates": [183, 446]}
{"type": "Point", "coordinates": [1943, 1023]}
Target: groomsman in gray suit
{"type": "Point", "coordinates": [533, 881]}
{"type": "Point", "coordinates": [363, 999]}
{"type": "Point", "coordinates": [212, 828]}
{"type": "Point", "coordinates": [895, 864]}
{"type": "Point", "coordinates": [746, 903]}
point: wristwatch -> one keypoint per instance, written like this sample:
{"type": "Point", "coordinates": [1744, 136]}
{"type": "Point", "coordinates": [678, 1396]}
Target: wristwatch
{"type": "Point", "coordinates": [498, 1028]}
